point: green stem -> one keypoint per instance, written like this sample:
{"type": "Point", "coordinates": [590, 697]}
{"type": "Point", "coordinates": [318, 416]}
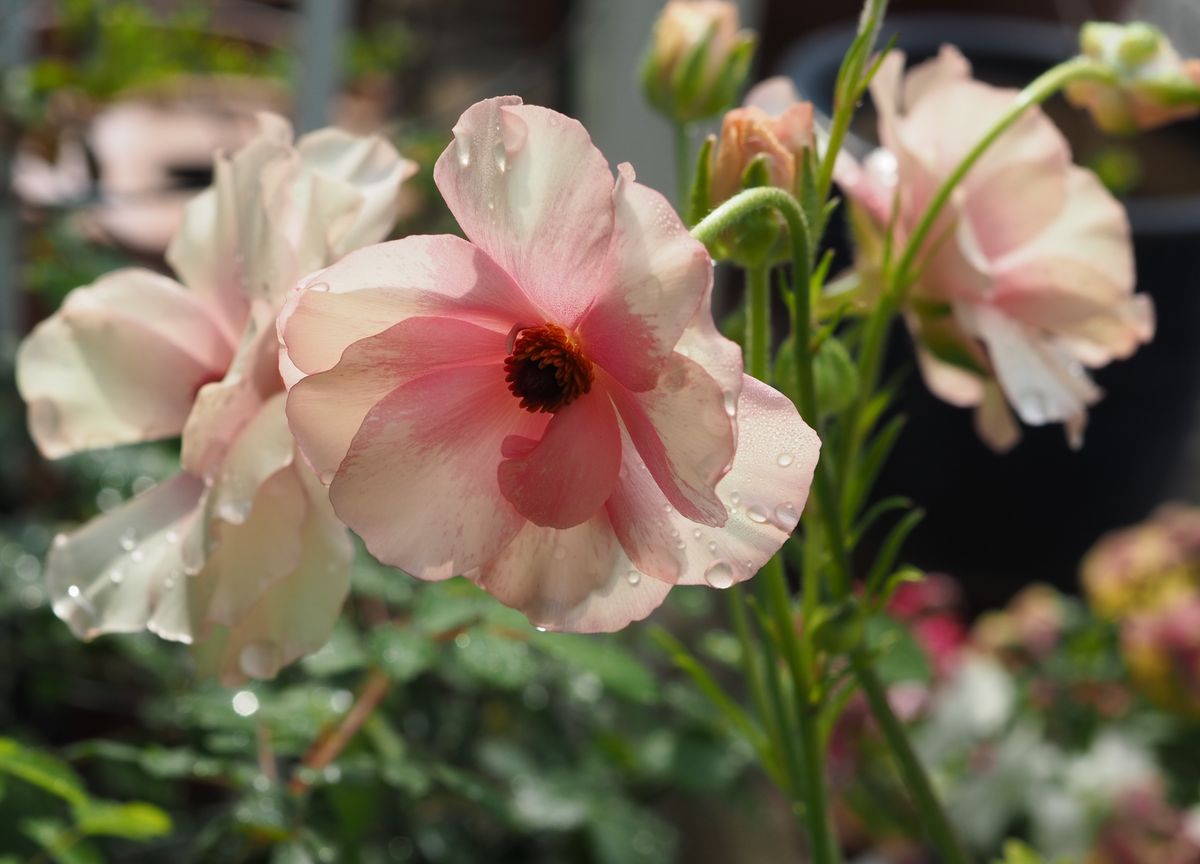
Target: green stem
{"type": "Point", "coordinates": [758, 321]}
{"type": "Point", "coordinates": [849, 89]}
{"type": "Point", "coordinates": [1035, 93]}
{"type": "Point", "coordinates": [683, 164]}
{"type": "Point", "coordinates": [916, 780]}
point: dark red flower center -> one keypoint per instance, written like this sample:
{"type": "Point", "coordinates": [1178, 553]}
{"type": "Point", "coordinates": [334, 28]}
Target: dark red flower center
{"type": "Point", "coordinates": [547, 369]}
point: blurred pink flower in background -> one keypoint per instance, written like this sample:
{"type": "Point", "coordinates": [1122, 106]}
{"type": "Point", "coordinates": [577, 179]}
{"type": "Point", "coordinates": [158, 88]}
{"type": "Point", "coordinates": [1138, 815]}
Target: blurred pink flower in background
{"type": "Point", "coordinates": [1161, 647]}
{"type": "Point", "coordinates": [1016, 294]}
{"type": "Point", "coordinates": [547, 407]}
{"type": "Point", "coordinates": [932, 610]}
{"type": "Point", "coordinates": [240, 550]}
{"type": "Point", "coordinates": [1144, 828]}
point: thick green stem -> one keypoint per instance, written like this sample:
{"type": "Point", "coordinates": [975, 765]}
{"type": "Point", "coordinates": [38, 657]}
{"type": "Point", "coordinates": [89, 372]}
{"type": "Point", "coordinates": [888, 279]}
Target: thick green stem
{"type": "Point", "coordinates": [683, 164]}
{"type": "Point", "coordinates": [758, 322]}
{"type": "Point", "coordinates": [916, 780]}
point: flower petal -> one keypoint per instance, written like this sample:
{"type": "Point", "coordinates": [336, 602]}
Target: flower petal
{"type": "Point", "coordinates": [123, 571]}
{"type": "Point", "coordinates": [262, 447]}
{"type": "Point", "coordinates": [371, 167]}
{"type": "Point", "coordinates": [657, 277]}
{"type": "Point", "coordinates": [764, 493]}
{"type": "Point", "coordinates": [684, 431]}
{"type": "Point", "coordinates": [295, 615]}
{"type": "Point", "coordinates": [375, 288]}
{"type": "Point", "coordinates": [119, 362]}
{"type": "Point", "coordinates": [529, 188]}
{"type": "Point", "coordinates": [419, 482]}
{"type": "Point", "coordinates": [326, 410]}
{"type": "Point", "coordinates": [565, 478]}
{"type": "Point", "coordinates": [223, 408]}
{"type": "Point", "coordinates": [1043, 383]}
{"type": "Point", "coordinates": [577, 579]}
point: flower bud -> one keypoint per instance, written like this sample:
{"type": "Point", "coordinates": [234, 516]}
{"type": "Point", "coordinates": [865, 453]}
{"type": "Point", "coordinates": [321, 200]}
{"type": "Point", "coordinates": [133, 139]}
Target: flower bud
{"type": "Point", "coordinates": [698, 60]}
{"type": "Point", "coordinates": [1150, 84]}
{"type": "Point", "coordinates": [774, 125]}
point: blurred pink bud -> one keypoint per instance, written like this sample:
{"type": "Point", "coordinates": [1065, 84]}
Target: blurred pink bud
{"type": "Point", "coordinates": [698, 59]}
{"type": "Point", "coordinates": [1162, 651]}
{"type": "Point", "coordinates": [1150, 84]}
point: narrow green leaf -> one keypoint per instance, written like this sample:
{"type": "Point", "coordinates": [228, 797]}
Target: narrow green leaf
{"type": "Point", "coordinates": [133, 821]}
{"type": "Point", "coordinates": [890, 550]}
{"type": "Point", "coordinates": [42, 770]}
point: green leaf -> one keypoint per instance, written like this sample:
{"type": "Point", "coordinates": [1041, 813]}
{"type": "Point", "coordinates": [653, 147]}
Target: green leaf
{"type": "Point", "coordinates": [835, 376]}
{"type": "Point", "coordinates": [42, 770]}
{"type": "Point", "coordinates": [698, 201]}
{"type": "Point", "coordinates": [495, 660]}
{"type": "Point", "coordinates": [885, 559]}
{"type": "Point", "coordinates": [342, 653]}
{"type": "Point", "coordinates": [133, 821]}
{"type": "Point", "coordinates": [617, 669]}
{"type": "Point", "coordinates": [60, 843]}
{"type": "Point", "coordinates": [898, 657]}
{"type": "Point", "coordinates": [402, 653]}
{"type": "Point", "coordinates": [441, 607]}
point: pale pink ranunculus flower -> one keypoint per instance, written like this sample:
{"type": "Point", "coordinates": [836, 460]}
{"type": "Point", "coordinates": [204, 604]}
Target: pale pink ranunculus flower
{"type": "Point", "coordinates": [1027, 278]}
{"type": "Point", "coordinates": [239, 551]}
{"type": "Point", "coordinates": [545, 407]}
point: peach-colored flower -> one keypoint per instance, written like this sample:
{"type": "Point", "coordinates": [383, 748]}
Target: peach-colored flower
{"type": "Point", "coordinates": [1152, 86]}
{"type": "Point", "coordinates": [686, 85]}
{"type": "Point", "coordinates": [546, 407]}
{"type": "Point", "coordinates": [1016, 294]}
{"type": "Point", "coordinates": [239, 550]}
{"type": "Point", "coordinates": [774, 125]}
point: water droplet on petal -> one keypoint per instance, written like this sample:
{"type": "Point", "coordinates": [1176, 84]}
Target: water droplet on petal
{"type": "Point", "coordinates": [719, 574]}
{"type": "Point", "coordinates": [680, 543]}
{"type": "Point", "coordinates": [326, 476]}
{"type": "Point", "coordinates": [756, 514]}
{"type": "Point", "coordinates": [559, 553]}
{"type": "Point", "coordinates": [259, 659]}
{"type": "Point", "coordinates": [171, 536]}
{"type": "Point", "coordinates": [712, 546]}
{"type": "Point", "coordinates": [60, 540]}
{"type": "Point", "coordinates": [501, 155]}
{"type": "Point", "coordinates": [73, 592]}
{"type": "Point", "coordinates": [319, 287]}
{"type": "Point", "coordinates": [136, 556]}
{"type": "Point", "coordinates": [697, 533]}
{"type": "Point", "coordinates": [1033, 407]}
{"type": "Point", "coordinates": [463, 146]}
{"type": "Point", "coordinates": [785, 459]}
{"type": "Point", "coordinates": [786, 517]}
{"type": "Point", "coordinates": [116, 577]}
{"type": "Point", "coordinates": [128, 540]}
{"type": "Point", "coordinates": [735, 498]}
{"type": "Point", "coordinates": [730, 404]}
{"type": "Point", "coordinates": [633, 577]}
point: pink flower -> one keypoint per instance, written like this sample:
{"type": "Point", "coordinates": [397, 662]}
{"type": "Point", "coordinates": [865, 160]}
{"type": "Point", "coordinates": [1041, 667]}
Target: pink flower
{"type": "Point", "coordinates": [1016, 293]}
{"type": "Point", "coordinates": [239, 550]}
{"type": "Point", "coordinates": [547, 407]}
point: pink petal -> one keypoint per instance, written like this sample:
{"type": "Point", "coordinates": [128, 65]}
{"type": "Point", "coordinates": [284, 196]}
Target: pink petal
{"type": "Point", "coordinates": [294, 615]}
{"type": "Point", "coordinates": [263, 447]}
{"type": "Point", "coordinates": [565, 478]}
{"type": "Point", "coordinates": [683, 430]}
{"type": "Point", "coordinates": [371, 167]}
{"type": "Point", "coordinates": [120, 362]}
{"type": "Point", "coordinates": [225, 249]}
{"type": "Point", "coordinates": [372, 289]}
{"type": "Point", "coordinates": [529, 188]}
{"type": "Point", "coordinates": [123, 571]}
{"type": "Point", "coordinates": [657, 277]}
{"type": "Point", "coordinates": [224, 407]}
{"type": "Point", "coordinates": [764, 494]}
{"type": "Point", "coordinates": [577, 579]}
{"type": "Point", "coordinates": [326, 410]}
{"type": "Point", "coordinates": [1043, 383]}
{"type": "Point", "coordinates": [419, 482]}
{"type": "Point", "coordinates": [248, 557]}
